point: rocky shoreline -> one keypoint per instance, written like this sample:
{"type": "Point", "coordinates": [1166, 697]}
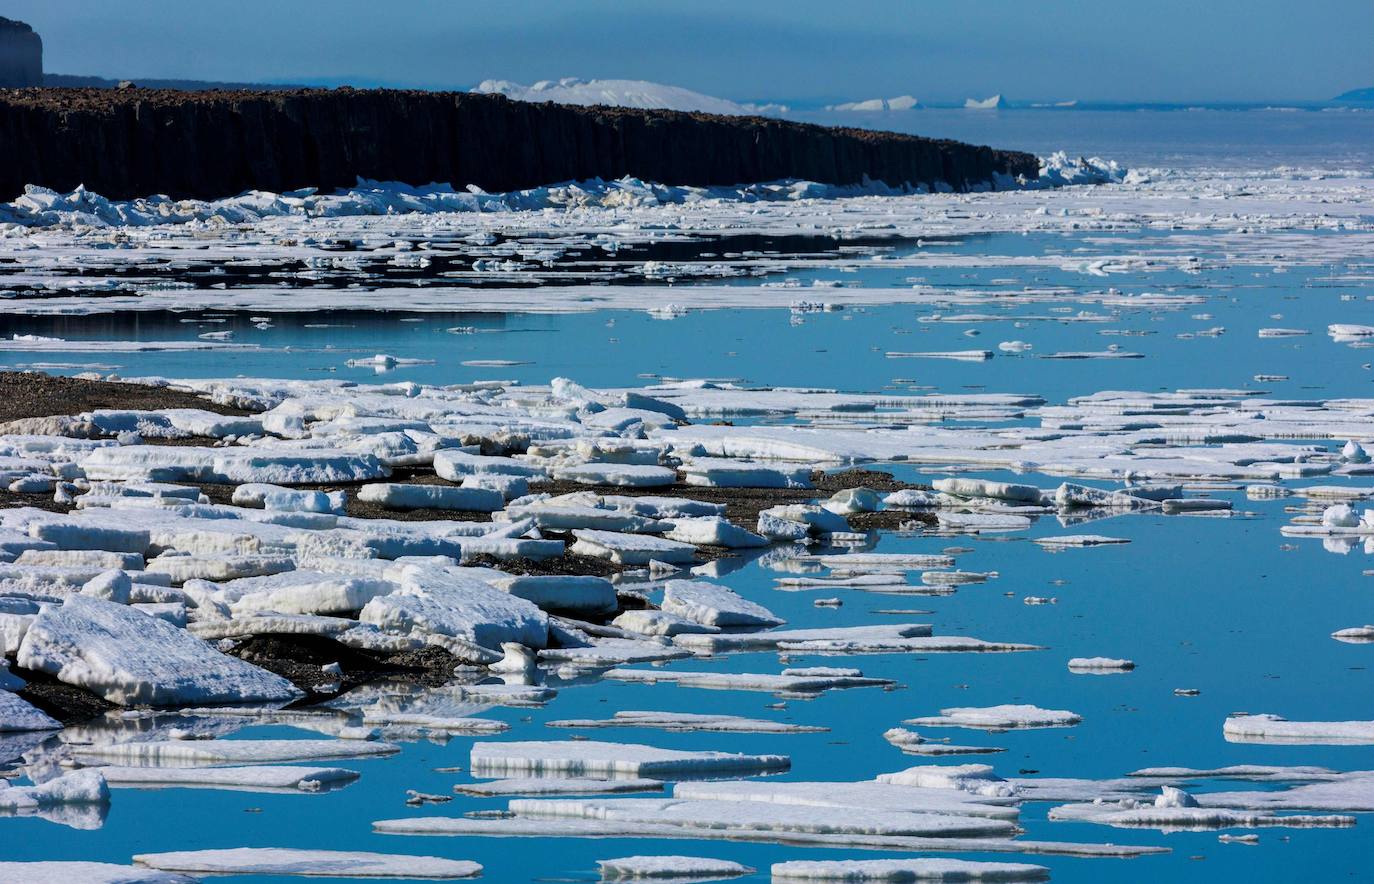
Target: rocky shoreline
{"type": "Point", "coordinates": [28, 399]}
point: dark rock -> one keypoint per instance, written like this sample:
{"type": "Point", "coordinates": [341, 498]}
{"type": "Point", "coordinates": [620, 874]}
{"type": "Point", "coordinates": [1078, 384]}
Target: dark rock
{"type": "Point", "coordinates": [21, 55]}
{"type": "Point", "coordinates": [125, 143]}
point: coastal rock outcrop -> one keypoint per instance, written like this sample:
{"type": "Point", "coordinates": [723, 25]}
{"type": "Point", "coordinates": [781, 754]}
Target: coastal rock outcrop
{"type": "Point", "coordinates": [131, 142]}
{"type": "Point", "coordinates": [21, 55]}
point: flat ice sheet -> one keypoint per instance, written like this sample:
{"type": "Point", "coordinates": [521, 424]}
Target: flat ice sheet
{"type": "Point", "coordinates": [308, 863]}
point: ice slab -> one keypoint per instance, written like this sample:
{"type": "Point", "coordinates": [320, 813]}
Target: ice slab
{"type": "Point", "coordinates": [760, 816]}
{"type": "Point", "coordinates": [773, 639]}
{"type": "Point", "coordinates": [728, 473]}
{"type": "Point", "coordinates": [1003, 717]}
{"type": "Point", "coordinates": [85, 873]}
{"type": "Point", "coordinates": [311, 863]}
{"type": "Point", "coordinates": [1073, 540]}
{"type": "Point", "coordinates": [650, 621]}
{"type": "Point", "coordinates": [574, 594]}
{"type": "Point", "coordinates": [631, 549]}
{"type": "Point", "coordinates": [912, 743]}
{"type": "Point", "coordinates": [689, 721]}
{"type": "Point", "coordinates": [924, 869]}
{"type": "Point", "coordinates": [72, 788]}
{"type": "Point", "coordinates": [590, 758]}
{"type": "Point", "coordinates": [240, 779]}
{"type": "Point", "coordinates": [1103, 665]}
{"type": "Point", "coordinates": [17, 714]}
{"type": "Point", "coordinates": [441, 602]}
{"type": "Point", "coordinates": [669, 868]}
{"type": "Point", "coordinates": [604, 653]}
{"type": "Point", "coordinates": [440, 497]}
{"type": "Point", "coordinates": [793, 682]}
{"type": "Point", "coordinates": [219, 753]}
{"type": "Point", "coordinates": [130, 658]}
{"type": "Point", "coordinates": [557, 786]}
{"type": "Point", "coordinates": [625, 475]}
{"type": "Point", "coordinates": [870, 795]}
{"type": "Point", "coordinates": [1267, 728]}
{"type": "Point", "coordinates": [713, 605]}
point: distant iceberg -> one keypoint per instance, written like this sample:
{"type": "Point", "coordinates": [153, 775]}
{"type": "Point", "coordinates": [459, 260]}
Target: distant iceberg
{"type": "Point", "coordinates": [900, 103]}
{"type": "Point", "coordinates": [993, 103]}
{"type": "Point", "coordinates": [623, 93]}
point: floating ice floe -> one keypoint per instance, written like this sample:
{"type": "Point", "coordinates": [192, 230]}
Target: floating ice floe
{"type": "Point", "coordinates": [689, 721]}
{"type": "Point", "coordinates": [587, 758]}
{"type": "Point", "coordinates": [275, 778]}
{"type": "Point", "coordinates": [1267, 728]}
{"type": "Point", "coordinates": [558, 786]}
{"type": "Point", "coordinates": [670, 868]}
{"type": "Point", "coordinates": [1100, 665]}
{"type": "Point", "coordinates": [17, 714]}
{"type": "Point", "coordinates": [311, 863]}
{"type": "Point", "coordinates": [215, 753]}
{"type": "Point", "coordinates": [790, 681]}
{"type": "Point", "coordinates": [1065, 541]}
{"type": "Point", "coordinates": [60, 872]}
{"type": "Point", "coordinates": [912, 743]}
{"type": "Point", "coordinates": [925, 869]}
{"type": "Point", "coordinates": [1005, 717]}
{"type": "Point", "coordinates": [712, 605]}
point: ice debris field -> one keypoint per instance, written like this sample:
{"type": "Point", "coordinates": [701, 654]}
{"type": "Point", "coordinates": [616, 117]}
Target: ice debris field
{"type": "Point", "coordinates": [648, 614]}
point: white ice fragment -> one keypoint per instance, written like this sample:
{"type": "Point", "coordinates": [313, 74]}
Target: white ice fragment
{"type": "Point", "coordinates": [1340, 516]}
{"type": "Point", "coordinates": [631, 549]}
{"type": "Point", "coordinates": [112, 586]}
{"type": "Point", "coordinates": [973, 488]}
{"type": "Point", "coordinates": [1100, 665]}
{"type": "Point", "coordinates": [257, 778]}
{"type": "Point", "coordinates": [219, 753]}
{"type": "Point", "coordinates": [689, 721]}
{"type": "Point", "coordinates": [73, 787]}
{"type": "Point", "coordinates": [129, 658]}
{"type": "Point", "coordinates": [441, 497]}
{"type": "Point", "coordinates": [575, 594]}
{"type": "Point", "coordinates": [1266, 728]}
{"type": "Point", "coordinates": [649, 621]}
{"type": "Point", "coordinates": [661, 868]}
{"type": "Point", "coordinates": [713, 531]}
{"type": "Point", "coordinates": [713, 605]}
{"type": "Point", "coordinates": [590, 758]}
{"type": "Point", "coordinates": [923, 869]}
{"type": "Point", "coordinates": [18, 715]}
{"type": "Point", "coordinates": [1002, 717]}
{"type": "Point", "coordinates": [313, 863]}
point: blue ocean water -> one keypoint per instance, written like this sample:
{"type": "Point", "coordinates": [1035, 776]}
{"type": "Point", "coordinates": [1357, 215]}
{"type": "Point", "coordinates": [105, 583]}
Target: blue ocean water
{"type": "Point", "coordinates": [1221, 605]}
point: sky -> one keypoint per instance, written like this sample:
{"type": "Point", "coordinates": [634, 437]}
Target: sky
{"type": "Point", "coordinates": [747, 50]}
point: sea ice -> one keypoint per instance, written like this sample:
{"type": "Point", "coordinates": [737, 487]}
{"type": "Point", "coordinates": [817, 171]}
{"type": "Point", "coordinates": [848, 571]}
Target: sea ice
{"type": "Point", "coordinates": [999, 717]}
{"type": "Point", "coordinates": [590, 758]}
{"type": "Point", "coordinates": [130, 658]}
{"type": "Point", "coordinates": [313, 863]}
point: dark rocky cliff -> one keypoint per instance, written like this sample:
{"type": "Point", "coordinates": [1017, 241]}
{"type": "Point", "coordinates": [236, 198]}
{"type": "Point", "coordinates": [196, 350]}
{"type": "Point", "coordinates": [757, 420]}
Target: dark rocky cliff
{"type": "Point", "coordinates": [21, 55]}
{"type": "Point", "coordinates": [134, 142]}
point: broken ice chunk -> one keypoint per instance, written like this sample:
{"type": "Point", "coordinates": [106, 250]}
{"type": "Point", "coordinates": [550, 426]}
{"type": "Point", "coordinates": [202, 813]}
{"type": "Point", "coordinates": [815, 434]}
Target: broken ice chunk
{"type": "Point", "coordinates": [128, 657]}
{"type": "Point", "coordinates": [923, 869]}
{"type": "Point", "coordinates": [328, 863]}
{"type": "Point", "coordinates": [670, 867]}
{"type": "Point", "coordinates": [1003, 717]}
{"type": "Point", "coordinates": [590, 758]}
{"type": "Point", "coordinates": [17, 714]}
{"type": "Point", "coordinates": [713, 605]}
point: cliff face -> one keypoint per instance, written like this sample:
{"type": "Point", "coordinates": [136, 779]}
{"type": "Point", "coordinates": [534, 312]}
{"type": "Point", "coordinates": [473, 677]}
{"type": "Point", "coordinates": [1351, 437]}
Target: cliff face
{"type": "Point", "coordinates": [21, 55]}
{"type": "Point", "coordinates": [134, 142]}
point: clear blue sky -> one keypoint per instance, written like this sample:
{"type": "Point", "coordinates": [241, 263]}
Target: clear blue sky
{"type": "Point", "coordinates": [1149, 50]}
